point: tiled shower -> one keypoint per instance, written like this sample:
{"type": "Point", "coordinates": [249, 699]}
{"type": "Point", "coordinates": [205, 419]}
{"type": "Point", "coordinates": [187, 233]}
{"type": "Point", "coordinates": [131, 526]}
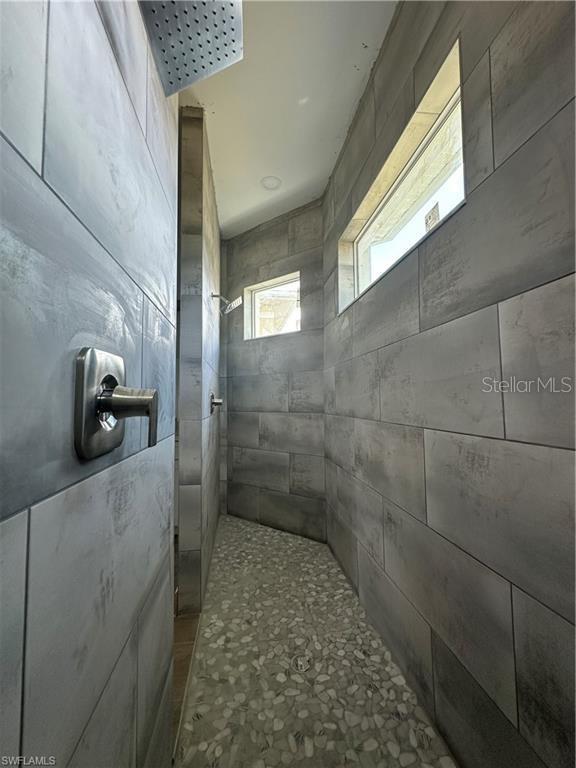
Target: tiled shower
{"type": "Point", "coordinates": [379, 429]}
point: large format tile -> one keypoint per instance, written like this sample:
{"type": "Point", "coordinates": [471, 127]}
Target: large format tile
{"type": "Point", "coordinates": [155, 627]}
{"type": "Point", "coordinates": [159, 754]}
{"type": "Point", "coordinates": [110, 735]}
{"type": "Point", "coordinates": [292, 432]}
{"type": "Point", "coordinates": [479, 733]}
{"type": "Point", "coordinates": [296, 514]}
{"type": "Point", "coordinates": [532, 66]}
{"type": "Point", "coordinates": [244, 429]}
{"type": "Point", "coordinates": [515, 232]}
{"type": "Point", "coordinates": [511, 506]}
{"type": "Point", "coordinates": [305, 229]}
{"type": "Point", "coordinates": [127, 35]}
{"type": "Point", "coordinates": [436, 379]}
{"type": "Point", "coordinates": [467, 604]}
{"type": "Point", "coordinates": [159, 368]}
{"type": "Point", "coordinates": [339, 442]}
{"type": "Point", "coordinates": [390, 458]}
{"type": "Point", "coordinates": [361, 510]}
{"type": "Point", "coordinates": [388, 311]}
{"type": "Point", "coordinates": [338, 339]}
{"type": "Point", "coordinates": [162, 133]}
{"type": "Point", "coordinates": [477, 125]}
{"type": "Point", "coordinates": [356, 387]}
{"type": "Point", "coordinates": [22, 76]}
{"type": "Point", "coordinates": [268, 392]}
{"type": "Point", "coordinates": [13, 538]}
{"type": "Point", "coordinates": [243, 501]}
{"type": "Point", "coordinates": [343, 544]}
{"type": "Point", "coordinates": [302, 351]}
{"type": "Point", "coordinates": [306, 391]}
{"type": "Point", "coordinates": [259, 247]}
{"type": "Point", "coordinates": [59, 291]}
{"type": "Point", "coordinates": [111, 531]}
{"type": "Point", "coordinates": [190, 452]}
{"type": "Point", "coordinates": [537, 339]}
{"type": "Point", "coordinates": [265, 469]}
{"type": "Point", "coordinates": [399, 624]}
{"type": "Point", "coordinates": [307, 475]}
{"type": "Point", "coordinates": [545, 671]}
{"type": "Point", "coordinates": [96, 155]}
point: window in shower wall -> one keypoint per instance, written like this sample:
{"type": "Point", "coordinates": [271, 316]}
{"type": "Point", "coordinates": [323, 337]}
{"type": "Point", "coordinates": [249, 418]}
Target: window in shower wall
{"type": "Point", "coordinates": [272, 307]}
{"type": "Point", "coordinates": [420, 184]}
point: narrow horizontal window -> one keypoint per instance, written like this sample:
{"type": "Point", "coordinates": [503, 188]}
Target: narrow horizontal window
{"type": "Point", "coordinates": [272, 307]}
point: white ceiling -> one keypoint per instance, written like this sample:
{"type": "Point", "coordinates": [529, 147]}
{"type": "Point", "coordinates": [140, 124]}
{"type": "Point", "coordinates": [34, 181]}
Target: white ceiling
{"type": "Point", "coordinates": [285, 109]}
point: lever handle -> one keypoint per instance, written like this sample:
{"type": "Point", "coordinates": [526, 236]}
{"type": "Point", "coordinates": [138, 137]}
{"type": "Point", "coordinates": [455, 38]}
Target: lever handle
{"type": "Point", "coordinates": [123, 402]}
{"type": "Point", "coordinates": [214, 401]}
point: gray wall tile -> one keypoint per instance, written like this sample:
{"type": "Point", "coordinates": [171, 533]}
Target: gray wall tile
{"type": "Point", "coordinates": [244, 429]}
{"type": "Point", "coordinates": [127, 35]}
{"type": "Point", "coordinates": [306, 391]}
{"type": "Point", "coordinates": [537, 339]}
{"type": "Point", "coordinates": [471, 612]}
{"type": "Point", "coordinates": [477, 125]}
{"type": "Point", "coordinates": [339, 440]}
{"type": "Point", "coordinates": [110, 735]}
{"type": "Point", "coordinates": [160, 749]}
{"type": "Point", "coordinates": [13, 543]}
{"type": "Point", "coordinates": [189, 581]}
{"type": "Point", "coordinates": [307, 475]}
{"type": "Point", "coordinates": [330, 390]}
{"type": "Point", "coordinates": [114, 546]}
{"type": "Point", "coordinates": [305, 230]}
{"type": "Point", "coordinates": [159, 368]}
{"type": "Point", "coordinates": [243, 501]}
{"type": "Point", "coordinates": [155, 628]}
{"type": "Point", "coordinates": [360, 139]}
{"type": "Point", "coordinates": [96, 154]}
{"type": "Point", "coordinates": [189, 517]}
{"type": "Point", "coordinates": [22, 74]}
{"type": "Point", "coordinates": [361, 510]}
{"type": "Point", "coordinates": [338, 339]}
{"type": "Point", "coordinates": [190, 452]}
{"type": "Point", "coordinates": [390, 458]}
{"type": "Point", "coordinates": [258, 247]}
{"type": "Point", "coordinates": [162, 133]}
{"type": "Point", "coordinates": [545, 668]}
{"type": "Point", "coordinates": [292, 432]}
{"type": "Point", "coordinates": [532, 72]}
{"type": "Point", "coordinates": [356, 383]}
{"type": "Point", "coordinates": [244, 358]}
{"type": "Point", "coordinates": [343, 544]}
{"type": "Point", "coordinates": [296, 514]}
{"type": "Point", "coordinates": [301, 351]}
{"type": "Point", "coordinates": [479, 734]}
{"type": "Point", "coordinates": [266, 469]}
{"type": "Point", "coordinates": [515, 232]}
{"type": "Point", "coordinates": [435, 379]}
{"type": "Point", "coordinates": [389, 310]}
{"type": "Point", "coordinates": [59, 291]}
{"type": "Point", "coordinates": [493, 498]}
{"type": "Point", "coordinates": [401, 626]}
{"type": "Point", "coordinates": [258, 393]}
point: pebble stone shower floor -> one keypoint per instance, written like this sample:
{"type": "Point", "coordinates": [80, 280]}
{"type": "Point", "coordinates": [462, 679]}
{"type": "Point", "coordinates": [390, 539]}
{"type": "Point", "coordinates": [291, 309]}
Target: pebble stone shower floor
{"type": "Point", "coordinates": [288, 672]}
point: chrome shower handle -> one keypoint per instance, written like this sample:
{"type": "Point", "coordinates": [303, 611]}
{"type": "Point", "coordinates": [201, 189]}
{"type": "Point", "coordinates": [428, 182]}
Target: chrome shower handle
{"type": "Point", "coordinates": [124, 402]}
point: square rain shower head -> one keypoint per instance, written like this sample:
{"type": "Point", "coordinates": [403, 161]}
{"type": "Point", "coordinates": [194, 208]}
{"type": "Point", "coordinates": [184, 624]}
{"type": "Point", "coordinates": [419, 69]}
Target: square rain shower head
{"type": "Point", "coordinates": [192, 40]}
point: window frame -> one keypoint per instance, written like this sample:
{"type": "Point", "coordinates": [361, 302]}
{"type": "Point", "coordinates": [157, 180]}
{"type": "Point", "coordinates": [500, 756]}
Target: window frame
{"type": "Point", "coordinates": [250, 292]}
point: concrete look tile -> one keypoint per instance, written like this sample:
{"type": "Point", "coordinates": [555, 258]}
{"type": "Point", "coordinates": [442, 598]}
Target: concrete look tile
{"type": "Point", "coordinates": [545, 670]}
{"type": "Point", "coordinates": [359, 141]}
{"type": "Point", "coordinates": [113, 531]}
{"type": "Point", "coordinates": [291, 352]}
{"type": "Point", "coordinates": [13, 536]}
{"type": "Point", "coordinates": [338, 339]}
{"type": "Point", "coordinates": [265, 469]}
{"type": "Point", "coordinates": [292, 432]}
{"type": "Point", "coordinates": [155, 635]}
{"type": "Point", "coordinates": [388, 311]}
{"type": "Point", "coordinates": [296, 514]}
{"type": "Point", "coordinates": [258, 393]}
{"type": "Point", "coordinates": [189, 517]}
{"type": "Point", "coordinates": [244, 429]}
{"type": "Point", "coordinates": [22, 74]}
{"type": "Point", "coordinates": [356, 383]}
{"type": "Point", "coordinates": [477, 125]}
{"type": "Point", "coordinates": [110, 735]}
{"type": "Point", "coordinates": [399, 624]}
{"type": "Point", "coordinates": [190, 452]}
{"type": "Point", "coordinates": [529, 537]}
{"type": "Point", "coordinates": [515, 232]}
{"type": "Point", "coordinates": [436, 379]}
{"type": "Point", "coordinates": [471, 613]}
{"type": "Point", "coordinates": [360, 508]}
{"type": "Point", "coordinates": [305, 230]}
{"type": "Point", "coordinates": [344, 546]}
{"type": "Point", "coordinates": [329, 390]}
{"type": "Point", "coordinates": [307, 391]}
{"type": "Point", "coordinates": [479, 732]}
{"type": "Point", "coordinates": [339, 440]}
{"type": "Point", "coordinates": [161, 745]}
{"type": "Point", "coordinates": [260, 246]}
{"type": "Point", "coordinates": [390, 459]}
{"type": "Point", "coordinates": [127, 35]}
{"type": "Point", "coordinates": [243, 501]}
{"type": "Point", "coordinates": [307, 475]}
{"type": "Point", "coordinates": [59, 291]}
{"type": "Point", "coordinates": [537, 339]}
{"type": "Point", "coordinates": [159, 368]}
{"type": "Point", "coordinates": [96, 154]}
{"type": "Point", "coordinates": [190, 581]}
{"type": "Point", "coordinates": [532, 72]}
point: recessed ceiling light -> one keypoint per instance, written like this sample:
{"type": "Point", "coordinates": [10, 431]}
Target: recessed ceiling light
{"type": "Point", "coordinates": [303, 101]}
{"type": "Point", "coordinates": [271, 182]}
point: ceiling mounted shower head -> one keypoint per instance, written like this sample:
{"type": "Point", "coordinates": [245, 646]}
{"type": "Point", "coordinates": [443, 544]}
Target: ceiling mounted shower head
{"type": "Point", "coordinates": [192, 40]}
